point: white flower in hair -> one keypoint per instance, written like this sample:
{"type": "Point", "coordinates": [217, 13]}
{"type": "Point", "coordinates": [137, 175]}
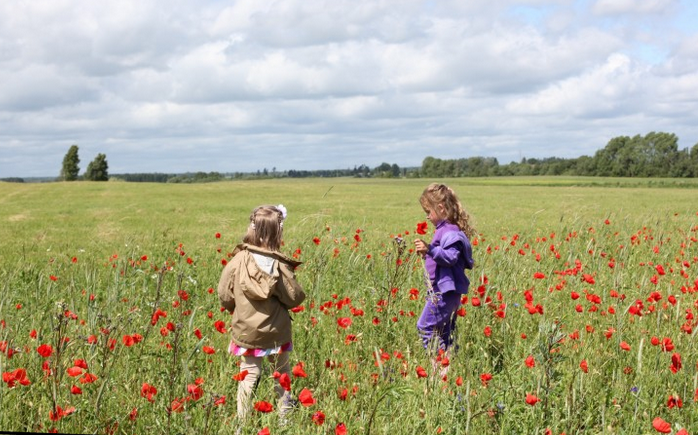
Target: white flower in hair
{"type": "Point", "coordinates": [282, 209]}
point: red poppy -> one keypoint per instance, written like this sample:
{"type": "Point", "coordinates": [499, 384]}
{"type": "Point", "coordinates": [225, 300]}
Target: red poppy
{"type": "Point", "coordinates": [344, 322]}
{"type": "Point", "coordinates": [530, 361]}
{"type": "Point", "coordinates": [264, 431]}
{"type": "Point", "coordinates": [625, 346]}
{"type": "Point", "coordinates": [421, 373]}
{"type": "Point", "coordinates": [661, 426]}
{"type": "Point", "coordinates": [60, 413]}
{"type": "Point", "coordinates": [667, 344]}
{"type": "Point", "coordinates": [156, 315]}
{"type": "Point", "coordinates": [531, 399]}
{"type": "Point", "coordinates": [340, 429]}
{"type": "Point", "coordinates": [148, 391]}
{"type": "Point", "coordinates": [195, 391]}
{"type": "Point", "coordinates": [584, 366]}
{"type": "Point", "coordinates": [240, 376]}
{"type": "Point", "coordinates": [422, 227]}
{"type": "Point", "coordinates": [75, 390]}
{"type": "Point", "coordinates": [539, 275]}
{"type": "Point", "coordinates": [285, 381]}
{"type": "Point", "coordinates": [674, 401]}
{"type": "Point", "coordinates": [208, 350]}
{"type": "Point", "coordinates": [220, 326]}
{"type": "Point", "coordinates": [45, 350]}
{"type": "Point", "coordinates": [178, 405]}
{"type": "Point", "coordinates": [263, 406]}
{"type": "Point", "coordinates": [298, 370]}
{"type": "Point", "coordinates": [17, 375]}
{"type": "Point", "coordinates": [675, 363]}
{"type": "Point", "coordinates": [46, 368]}
{"type": "Point", "coordinates": [306, 398]}
{"type": "Point", "coordinates": [197, 333]}
{"type": "Point", "coordinates": [318, 418]}
{"type": "Point", "coordinates": [484, 378]}
{"type": "Point", "coordinates": [316, 240]}
{"type": "Point", "coordinates": [74, 371]}
{"type": "Point", "coordinates": [87, 378]}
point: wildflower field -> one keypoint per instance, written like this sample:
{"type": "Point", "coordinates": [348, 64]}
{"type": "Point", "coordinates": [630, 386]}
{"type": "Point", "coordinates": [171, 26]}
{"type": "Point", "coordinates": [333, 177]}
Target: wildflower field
{"type": "Point", "coordinates": [580, 318]}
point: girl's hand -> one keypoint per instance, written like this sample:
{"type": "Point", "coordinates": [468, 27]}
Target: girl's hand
{"type": "Point", "coordinates": [420, 247]}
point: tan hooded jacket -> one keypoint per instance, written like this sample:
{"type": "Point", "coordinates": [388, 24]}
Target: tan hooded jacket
{"type": "Point", "coordinates": [258, 300]}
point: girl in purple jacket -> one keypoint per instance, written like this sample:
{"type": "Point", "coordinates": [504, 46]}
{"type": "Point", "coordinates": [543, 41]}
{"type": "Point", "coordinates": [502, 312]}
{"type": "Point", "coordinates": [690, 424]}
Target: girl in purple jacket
{"type": "Point", "coordinates": [446, 258]}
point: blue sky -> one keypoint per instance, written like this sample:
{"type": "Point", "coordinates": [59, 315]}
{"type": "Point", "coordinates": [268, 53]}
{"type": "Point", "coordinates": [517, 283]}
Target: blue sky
{"type": "Point", "coordinates": [190, 85]}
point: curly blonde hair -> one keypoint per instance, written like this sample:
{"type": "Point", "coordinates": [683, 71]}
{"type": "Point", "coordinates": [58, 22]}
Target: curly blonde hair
{"type": "Point", "coordinates": [436, 194]}
{"type": "Point", "coordinates": [266, 228]}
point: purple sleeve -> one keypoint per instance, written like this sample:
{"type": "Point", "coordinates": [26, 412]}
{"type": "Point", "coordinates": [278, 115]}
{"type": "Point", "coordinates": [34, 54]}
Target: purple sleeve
{"type": "Point", "coordinates": [444, 256]}
{"type": "Point", "coordinates": [453, 245]}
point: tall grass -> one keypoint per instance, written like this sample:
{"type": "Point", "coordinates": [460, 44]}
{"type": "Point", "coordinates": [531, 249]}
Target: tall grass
{"type": "Point", "coordinates": [566, 277]}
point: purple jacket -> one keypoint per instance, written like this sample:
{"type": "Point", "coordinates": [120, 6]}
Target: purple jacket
{"type": "Point", "coordinates": [448, 255]}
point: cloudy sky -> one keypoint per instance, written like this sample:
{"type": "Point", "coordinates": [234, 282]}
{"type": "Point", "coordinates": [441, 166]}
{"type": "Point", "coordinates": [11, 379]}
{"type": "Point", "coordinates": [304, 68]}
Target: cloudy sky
{"type": "Point", "coordinates": [222, 85]}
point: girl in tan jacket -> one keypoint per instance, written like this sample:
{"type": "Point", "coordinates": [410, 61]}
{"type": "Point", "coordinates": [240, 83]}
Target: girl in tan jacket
{"type": "Point", "coordinates": [259, 287]}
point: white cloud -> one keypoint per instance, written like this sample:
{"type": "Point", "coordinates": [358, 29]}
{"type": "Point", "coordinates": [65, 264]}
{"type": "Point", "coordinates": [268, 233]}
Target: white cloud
{"type": "Point", "coordinates": [604, 91]}
{"type": "Point", "coordinates": [305, 84]}
{"type": "Point", "coordinates": [617, 7]}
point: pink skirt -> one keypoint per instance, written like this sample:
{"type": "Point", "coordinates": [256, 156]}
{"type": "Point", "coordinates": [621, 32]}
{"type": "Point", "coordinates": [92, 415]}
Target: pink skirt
{"type": "Point", "coordinates": [236, 350]}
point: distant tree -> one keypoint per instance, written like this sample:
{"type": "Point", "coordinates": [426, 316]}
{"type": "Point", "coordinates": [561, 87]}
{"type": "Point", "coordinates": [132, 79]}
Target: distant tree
{"type": "Point", "coordinates": [692, 170]}
{"type": "Point", "coordinates": [70, 168]}
{"type": "Point", "coordinates": [430, 167]}
{"type": "Point", "coordinates": [661, 154]}
{"type": "Point", "coordinates": [395, 170]}
{"type": "Point", "coordinates": [384, 170]}
{"type": "Point", "coordinates": [652, 155]}
{"type": "Point", "coordinates": [97, 169]}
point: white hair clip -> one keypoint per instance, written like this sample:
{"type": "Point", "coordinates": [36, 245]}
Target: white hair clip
{"type": "Point", "coordinates": [282, 209]}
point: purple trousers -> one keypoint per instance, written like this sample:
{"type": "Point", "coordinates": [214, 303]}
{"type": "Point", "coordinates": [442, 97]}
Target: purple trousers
{"type": "Point", "coordinates": [438, 320]}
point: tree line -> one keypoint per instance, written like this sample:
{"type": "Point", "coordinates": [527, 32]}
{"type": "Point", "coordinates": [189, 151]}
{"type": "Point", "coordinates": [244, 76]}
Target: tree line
{"type": "Point", "coordinates": [652, 155]}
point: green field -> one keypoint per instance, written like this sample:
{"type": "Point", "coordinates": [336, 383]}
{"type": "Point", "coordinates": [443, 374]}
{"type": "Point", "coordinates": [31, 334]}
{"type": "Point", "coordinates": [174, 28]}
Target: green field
{"type": "Point", "coordinates": [85, 265]}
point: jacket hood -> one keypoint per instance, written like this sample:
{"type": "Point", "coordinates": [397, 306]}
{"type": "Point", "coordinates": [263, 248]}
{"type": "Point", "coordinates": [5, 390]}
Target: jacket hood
{"type": "Point", "coordinates": [255, 283]}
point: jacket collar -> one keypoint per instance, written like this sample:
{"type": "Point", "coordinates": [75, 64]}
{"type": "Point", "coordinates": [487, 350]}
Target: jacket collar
{"type": "Point", "coordinates": [274, 254]}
